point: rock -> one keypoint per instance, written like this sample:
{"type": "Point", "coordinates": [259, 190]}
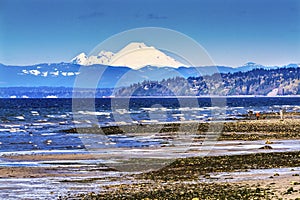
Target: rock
{"type": "Point", "coordinates": [266, 147]}
{"type": "Point", "coordinates": [295, 183]}
{"type": "Point", "coordinates": [290, 190]}
{"type": "Point", "coordinates": [268, 142]}
{"type": "Point", "coordinates": [207, 176]}
{"type": "Point", "coordinates": [48, 142]}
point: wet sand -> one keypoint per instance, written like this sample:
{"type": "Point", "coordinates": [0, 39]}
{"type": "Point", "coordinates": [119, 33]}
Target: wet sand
{"type": "Point", "coordinates": [196, 178]}
{"type": "Point", "coordinates": [48, 157]}
{"type": "Point", "coordinates": [281, 188]}
{"type": "Point", "coordinates": [32, 172]}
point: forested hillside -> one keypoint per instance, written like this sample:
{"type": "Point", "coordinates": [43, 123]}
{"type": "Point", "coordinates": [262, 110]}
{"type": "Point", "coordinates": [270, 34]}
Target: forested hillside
{"type": "Point", "coordinates": [281, 81]}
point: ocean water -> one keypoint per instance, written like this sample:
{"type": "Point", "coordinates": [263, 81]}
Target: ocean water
{"type": "Point", "coordinates": [36, 124]}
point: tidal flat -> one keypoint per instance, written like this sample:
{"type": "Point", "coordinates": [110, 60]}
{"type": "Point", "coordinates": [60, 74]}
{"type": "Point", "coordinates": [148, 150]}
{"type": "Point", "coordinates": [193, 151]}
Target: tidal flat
{"type": "Point", "coordinates": [260, 174]}
{"type": "Point", "coordinates": [185, 179]}
{"type": "Point", "coordinates": [249, 159]}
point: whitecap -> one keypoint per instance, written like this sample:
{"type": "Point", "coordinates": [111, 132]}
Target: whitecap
{"type": "Point", "coordinates": [63, 123]}
{"type": "Point", "coordinates": [47, 134]}
{"type": "Point", "coordinates": [76, 122]}
{"type": "Point", "coordinates": [93, 113]}
{"type": "Point", "coordinates": [57, 116]}
{"type": "Point", "coordinates": [35, 113]}
{"type": "Point", "coordinates": [20, 117]}
{"type": "Point", "coordinates": [177, 115]}
{"type": "Point", "coordinates": [15, 130]}
{"type": "Point", "coordinates": [4, 129]}
{"type": "Point", "coordinates": [11, 125]}
{"type": "Point", "coordinates": [144, 121]}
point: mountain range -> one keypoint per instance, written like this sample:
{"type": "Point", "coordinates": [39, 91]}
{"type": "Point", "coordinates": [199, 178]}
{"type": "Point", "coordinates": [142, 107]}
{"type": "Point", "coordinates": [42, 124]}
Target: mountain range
{"type": "Point", "coordinates": [64, 74]}
{"type": "Point", "coordinates": [134, 63]}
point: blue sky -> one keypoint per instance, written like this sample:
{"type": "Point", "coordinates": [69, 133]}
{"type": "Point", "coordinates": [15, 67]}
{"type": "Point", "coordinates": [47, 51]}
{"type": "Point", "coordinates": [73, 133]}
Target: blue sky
{"type": "Point", "coordinates": [232, 31]}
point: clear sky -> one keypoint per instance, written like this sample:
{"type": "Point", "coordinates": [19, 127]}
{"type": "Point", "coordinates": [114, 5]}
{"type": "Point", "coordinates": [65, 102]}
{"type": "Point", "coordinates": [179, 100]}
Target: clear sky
{"type": "Point", "coordinates": [232, 31]}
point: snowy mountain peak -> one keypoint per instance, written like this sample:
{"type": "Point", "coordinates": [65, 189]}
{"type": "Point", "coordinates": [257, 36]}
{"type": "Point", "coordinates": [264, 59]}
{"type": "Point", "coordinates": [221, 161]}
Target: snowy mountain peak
{"type": "Point", "coordinates": [81, 59]}
{"type": "Point", "coordinates": [135, 55]}
{"type": "Point", "coordinates": [135, 45]}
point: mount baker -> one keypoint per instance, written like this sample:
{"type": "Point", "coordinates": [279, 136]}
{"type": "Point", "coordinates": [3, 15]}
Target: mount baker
{"type": "Point", "coordinates": [135, 56]}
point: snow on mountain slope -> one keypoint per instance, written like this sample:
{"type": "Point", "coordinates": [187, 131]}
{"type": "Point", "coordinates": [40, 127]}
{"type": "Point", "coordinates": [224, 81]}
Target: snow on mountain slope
{"type": "Point", "coordinates": [81, 59]}
{"type": "Point", "coordinates": [135, 55]}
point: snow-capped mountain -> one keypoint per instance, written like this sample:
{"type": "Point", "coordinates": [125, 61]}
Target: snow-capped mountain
{"type": "Point", "coordinates": [135, 56]}
{"type": "Point", "coordinates": [81, 59]}
{"type": "Point", "coordinates": [103, 58]}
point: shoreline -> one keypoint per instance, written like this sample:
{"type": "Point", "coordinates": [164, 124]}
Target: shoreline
{"type": "Point", "coordinates": [180, 176]}
{"type": "Point", "coordinates": [164, 184]}
{"type": "Point", "coordinates": [276, 187]}
{"type": "Point", "coordinates": [163, 97]}
{"type": "Point", "coordinates": [262, 129]}
{"type": "Point", "coordinates": [198, 174]}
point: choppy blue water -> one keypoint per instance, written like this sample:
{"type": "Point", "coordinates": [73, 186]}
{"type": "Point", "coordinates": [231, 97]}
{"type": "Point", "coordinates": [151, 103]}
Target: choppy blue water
{"type": "Point", "coordinates": [35, 124]}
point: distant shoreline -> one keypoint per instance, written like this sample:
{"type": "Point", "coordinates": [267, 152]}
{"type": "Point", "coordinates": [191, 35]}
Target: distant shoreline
{"type": "Point", "coordinates": [157, 97]}
{"type": "Point", "coordinates": [231, 96]}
